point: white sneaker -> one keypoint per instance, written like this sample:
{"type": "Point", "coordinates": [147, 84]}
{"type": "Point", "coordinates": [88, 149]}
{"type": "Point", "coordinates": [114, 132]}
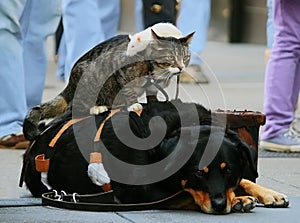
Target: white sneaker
{"type": "Point", "coordinates": [295, 127]}
{"type": "Point", "coordinates": [286, 141]}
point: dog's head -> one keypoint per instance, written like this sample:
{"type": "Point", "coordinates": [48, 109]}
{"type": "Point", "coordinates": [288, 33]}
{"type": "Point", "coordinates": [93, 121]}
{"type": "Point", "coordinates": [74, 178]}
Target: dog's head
{"type": "Point", "coordinates": [212, 186]}
{"type": "Point", "coordinates": [190, 146]}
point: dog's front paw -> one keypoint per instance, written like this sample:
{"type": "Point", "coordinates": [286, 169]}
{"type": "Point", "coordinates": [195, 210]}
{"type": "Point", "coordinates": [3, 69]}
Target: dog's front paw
{"type": "Point", "coordinates": [96, 110]}
{"type": "Point", "coordinates": [274, 199]}
{"type": "Point", "coordinates": [135, 107]}
{"type": "Point", "coordinates": [243, 204]}
{"type": "Point", "coordinates": [266, 196]}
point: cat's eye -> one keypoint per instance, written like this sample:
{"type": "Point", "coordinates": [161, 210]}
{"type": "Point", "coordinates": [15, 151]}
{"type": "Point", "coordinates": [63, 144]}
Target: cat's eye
{"type": "Point", "coordinates": [186, 58]}
{"type": "Point", "coordinates": [170, 57]}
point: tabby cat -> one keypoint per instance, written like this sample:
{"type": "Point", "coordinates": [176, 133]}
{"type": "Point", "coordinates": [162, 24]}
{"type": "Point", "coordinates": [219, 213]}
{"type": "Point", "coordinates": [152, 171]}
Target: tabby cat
{"type": "Point", "coordinates": [105, 77]}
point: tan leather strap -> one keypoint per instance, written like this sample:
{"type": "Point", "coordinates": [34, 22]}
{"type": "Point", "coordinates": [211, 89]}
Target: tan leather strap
{"type": "Point", "coordinates": [112, 112]}
{"type": "Point", "coordinates": [73, 121]}
{"type": "Point", "coordinates": [98, 133]}
{"type": "Point", "coordinates": [63, 129]}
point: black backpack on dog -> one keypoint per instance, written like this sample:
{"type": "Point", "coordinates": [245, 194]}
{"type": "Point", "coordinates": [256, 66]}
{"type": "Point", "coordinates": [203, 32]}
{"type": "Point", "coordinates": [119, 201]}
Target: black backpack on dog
{"type": "Point", "coordinates": [61, 140]}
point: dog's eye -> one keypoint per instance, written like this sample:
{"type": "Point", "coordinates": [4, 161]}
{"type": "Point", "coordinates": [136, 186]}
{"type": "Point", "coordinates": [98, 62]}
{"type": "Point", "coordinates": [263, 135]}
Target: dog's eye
{"type": "Point", "coordinates": [199, 173]}
{"type": "Point", "coordinates": [227, 170]}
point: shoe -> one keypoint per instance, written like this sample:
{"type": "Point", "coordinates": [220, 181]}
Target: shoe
{"type": "Point", "coordinates": [14, 141]}
{"type": "Point", "coordinates": [286, 141]}
{"type": "Point", "coordinates": [295, 127]}
{"type": "Point", "coordinates": [193, 74]}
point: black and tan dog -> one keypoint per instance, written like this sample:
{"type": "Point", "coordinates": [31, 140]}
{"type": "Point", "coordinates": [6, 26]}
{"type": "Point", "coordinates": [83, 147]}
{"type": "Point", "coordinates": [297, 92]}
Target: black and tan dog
{"type": "Point", "coordinates": [222, 185]}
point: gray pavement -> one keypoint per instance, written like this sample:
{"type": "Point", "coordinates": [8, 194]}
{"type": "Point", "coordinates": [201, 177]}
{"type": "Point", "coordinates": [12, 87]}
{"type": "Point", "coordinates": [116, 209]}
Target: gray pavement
{"type": "Point", "coordinates": [236, 72]}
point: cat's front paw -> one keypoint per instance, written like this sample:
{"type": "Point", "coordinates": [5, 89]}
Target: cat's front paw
{"type": "Point", "coordinates": [135, 107]}
{"type": "Point", "coordinates": [96, 110]}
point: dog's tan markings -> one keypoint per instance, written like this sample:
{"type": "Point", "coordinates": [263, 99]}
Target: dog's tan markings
{"type": "Point", "coordinates": [201, 199]}
{"type": "Point", "coordinates": [205, 170]}
{"type": "Point", "coordinates": [268, 197]}
{"type": "Point", "coordinates": [187, 203]}
{"type": "Point", "coordinates": [183, 183]}
{"type": "Point", "coordinates": [230, 198]}
{"type": "Point", "coordinates": [223, 165]}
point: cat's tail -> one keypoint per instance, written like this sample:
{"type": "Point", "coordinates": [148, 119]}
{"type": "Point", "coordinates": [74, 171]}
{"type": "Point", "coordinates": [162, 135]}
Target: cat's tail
{"type": "Point", "coordinates": [50, 109]}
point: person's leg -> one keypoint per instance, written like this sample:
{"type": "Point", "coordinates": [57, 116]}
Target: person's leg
{"type": "Point", "coordinates": [109, 12]}
{"type": "Point", "coordinates": [269, 25]}
{"type": "Point", "coordinates": [83, 27]}
{"type": "Point", "coordinates": [269, 30]}
{"type": "Point", "coordinates": [82, 30]}
{"type": "Point", "coordinates": [282, 73]}
{"type": "Point", "coordinates": [12, 100]}
{"type": "Point", "coordinates": [139, 23]}
{"type": "Point", "coordinates": [194, 15]}
{"type": "Point", "coordinates": [39, 20]}
{"type": "Point", "coordinates": [62, 52]}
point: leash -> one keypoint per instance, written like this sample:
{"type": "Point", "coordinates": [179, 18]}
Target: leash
{"type": "Point", "coordinates": [107, 201]}
{"type": "Point", "coordinates": [150, 81]}
{"type": "Point", "coordinates": [177, 87]}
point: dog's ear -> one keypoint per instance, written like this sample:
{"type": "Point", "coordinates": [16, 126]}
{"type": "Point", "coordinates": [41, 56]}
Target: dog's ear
{"type": "Point", "coordinates": [248, 156]}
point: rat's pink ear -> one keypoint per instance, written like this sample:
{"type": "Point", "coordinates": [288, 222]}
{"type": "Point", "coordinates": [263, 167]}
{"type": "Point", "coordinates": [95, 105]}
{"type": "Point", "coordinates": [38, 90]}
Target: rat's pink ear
{"type": "Point", "coordinates": [139, 38]}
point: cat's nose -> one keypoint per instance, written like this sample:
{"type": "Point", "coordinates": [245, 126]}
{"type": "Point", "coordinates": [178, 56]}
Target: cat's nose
{"type": "Point", "coordinates": [180, 68]}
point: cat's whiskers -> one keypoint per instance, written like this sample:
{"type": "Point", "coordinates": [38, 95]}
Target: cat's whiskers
{"type": "Point", "coordinates": [162, 75]}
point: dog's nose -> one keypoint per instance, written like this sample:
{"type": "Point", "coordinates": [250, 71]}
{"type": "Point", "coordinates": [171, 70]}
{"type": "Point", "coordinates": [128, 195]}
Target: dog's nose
{"type": "Point", "coordinates": [219, 203]}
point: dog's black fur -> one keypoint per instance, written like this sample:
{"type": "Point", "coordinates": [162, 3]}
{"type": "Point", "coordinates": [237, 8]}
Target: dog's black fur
{"type": "Point", "coordinates": [210, 185]}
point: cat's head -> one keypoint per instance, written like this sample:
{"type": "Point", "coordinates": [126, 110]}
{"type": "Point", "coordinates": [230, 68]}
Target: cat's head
{"type": "Point", "coordinates": [169, 56]}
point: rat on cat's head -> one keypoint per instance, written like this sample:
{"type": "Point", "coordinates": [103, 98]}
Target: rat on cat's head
{"type": "Point", "coordinates": [107, 76]}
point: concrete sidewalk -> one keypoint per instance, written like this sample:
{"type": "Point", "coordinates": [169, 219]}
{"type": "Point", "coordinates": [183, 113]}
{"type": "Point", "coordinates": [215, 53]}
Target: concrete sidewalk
{"type": "Point", "coordinates": [237, 74]}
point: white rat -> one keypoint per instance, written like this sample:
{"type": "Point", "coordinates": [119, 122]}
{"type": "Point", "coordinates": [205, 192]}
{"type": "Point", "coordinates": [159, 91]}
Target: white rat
{"type": "Point", "coordinates": [139, 41]}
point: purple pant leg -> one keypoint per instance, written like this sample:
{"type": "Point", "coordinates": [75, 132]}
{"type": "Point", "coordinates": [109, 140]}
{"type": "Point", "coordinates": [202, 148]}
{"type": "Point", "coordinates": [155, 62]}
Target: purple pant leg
{"type": "Point", "coordinates": [282, 82]}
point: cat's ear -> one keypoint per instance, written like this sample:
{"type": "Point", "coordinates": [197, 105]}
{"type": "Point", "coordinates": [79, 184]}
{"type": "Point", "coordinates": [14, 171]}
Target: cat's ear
{"type": "Point", "coordinates": [187, 39]}
{"type": "Point", "coordinates": [155, 37]}
{"type": "Point", "coordinates": [130, 37]}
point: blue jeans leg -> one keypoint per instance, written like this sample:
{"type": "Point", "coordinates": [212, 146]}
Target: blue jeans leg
{"type": "Point", "coordinates": [12, 90]}
{"type": "Point", "coordinates": [194, 15]}
{"type": "Point", "coordinates": [39, 20]}
{"type": "Point", "coordinates": [86, 24]}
